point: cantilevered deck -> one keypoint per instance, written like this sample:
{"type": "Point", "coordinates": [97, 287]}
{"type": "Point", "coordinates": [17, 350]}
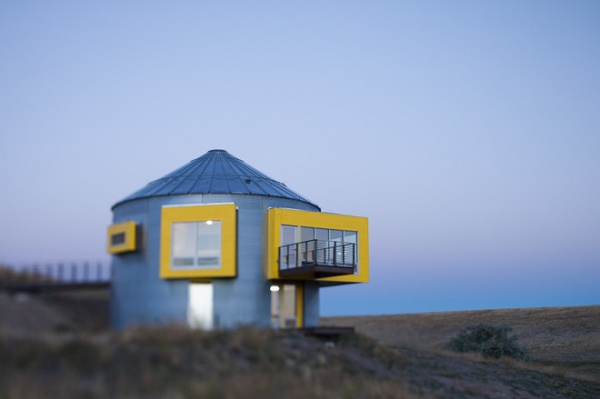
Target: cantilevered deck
{"type": "Point", "coordinates": [316, 259]}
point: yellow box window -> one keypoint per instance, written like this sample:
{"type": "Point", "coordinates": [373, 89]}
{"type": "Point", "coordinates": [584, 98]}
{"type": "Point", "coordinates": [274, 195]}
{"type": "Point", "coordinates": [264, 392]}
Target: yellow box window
{"type": "Point", "coordinates": [198, 241]}
{"type": "Point", "coordinates": [121, 238]}
{"type": "Point", "coordinates": [297, 238]}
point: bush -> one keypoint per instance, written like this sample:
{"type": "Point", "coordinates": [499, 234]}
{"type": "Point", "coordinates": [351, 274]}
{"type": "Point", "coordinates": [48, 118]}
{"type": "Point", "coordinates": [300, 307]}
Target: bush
{"type": "Point", "coordinates": [490, 341]}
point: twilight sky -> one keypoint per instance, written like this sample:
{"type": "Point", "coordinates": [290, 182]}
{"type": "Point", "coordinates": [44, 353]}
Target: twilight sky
{"type": "Point", "coordinates": [468, 132]}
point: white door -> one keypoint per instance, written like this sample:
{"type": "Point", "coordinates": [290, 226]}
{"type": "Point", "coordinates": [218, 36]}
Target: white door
{"type": "Point", "coordinates": [200, 306]}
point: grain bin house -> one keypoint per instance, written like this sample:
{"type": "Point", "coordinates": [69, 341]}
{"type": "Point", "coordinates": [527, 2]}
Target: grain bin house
{"type": "Point", "coordinates": [216, 244]}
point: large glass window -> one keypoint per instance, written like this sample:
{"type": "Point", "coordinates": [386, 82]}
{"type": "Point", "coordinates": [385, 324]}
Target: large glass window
{"type": "Point", "coordinates": [350, 233]}
{"type": "Point", "coordinates": [288, 235]}
{"type": "Point", "coordinates": [196, 245]}
{"type": "Point", "coordinates": [324, 251]}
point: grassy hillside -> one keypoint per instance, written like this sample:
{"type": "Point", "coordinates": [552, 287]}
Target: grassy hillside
{"type": "Point", "coordinates": [565, 338]}
{"type": "Point", "coordinates": [60, 347]}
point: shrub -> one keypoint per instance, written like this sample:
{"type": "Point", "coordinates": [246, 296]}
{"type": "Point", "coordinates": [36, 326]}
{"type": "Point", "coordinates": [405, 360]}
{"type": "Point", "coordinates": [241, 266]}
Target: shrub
{"type": "Point", "coordinates": [489, 340]}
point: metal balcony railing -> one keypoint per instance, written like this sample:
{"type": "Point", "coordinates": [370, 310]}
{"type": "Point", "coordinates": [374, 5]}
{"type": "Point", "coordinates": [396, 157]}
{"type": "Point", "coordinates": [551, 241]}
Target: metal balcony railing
{"type": "Point", "coordinates": [323, 253]}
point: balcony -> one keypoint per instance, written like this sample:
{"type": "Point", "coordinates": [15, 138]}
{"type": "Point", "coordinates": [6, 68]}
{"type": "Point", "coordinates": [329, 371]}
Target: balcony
{"type": "Point", "coordinates": [316, 259]}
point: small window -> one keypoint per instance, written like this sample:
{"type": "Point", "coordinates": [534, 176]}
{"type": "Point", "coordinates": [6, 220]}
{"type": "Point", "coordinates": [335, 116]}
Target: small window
{"type": "Point", "coordinates": [117, 239]}
{"type": "Point", "coordinates": [121, 238]}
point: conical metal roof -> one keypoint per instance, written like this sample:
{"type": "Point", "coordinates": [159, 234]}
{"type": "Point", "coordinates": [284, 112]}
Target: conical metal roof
{"type": "Point", "coordinates": [216, 172]}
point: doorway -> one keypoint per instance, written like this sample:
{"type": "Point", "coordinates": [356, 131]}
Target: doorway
{"type": "Point", "coordinates": [286, 305]}
{"type": "Point", "coordinates": [200, 306]}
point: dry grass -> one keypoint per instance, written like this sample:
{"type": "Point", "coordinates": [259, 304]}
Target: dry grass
{"type": "Point", "coordinates": [171, 362]}
{"type": "Point", "coordinates": [564, 339]}
{"type": "Point", "coordinates": [68, 352]}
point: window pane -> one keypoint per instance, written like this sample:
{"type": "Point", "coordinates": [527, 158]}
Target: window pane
{"type": "Point", "coordinates": [322, 234]}
{"type": "Point", "coordinates": [350, 236]}
{"type": "Point", "coordinates": [208, 246]}
{"type": "Point", "coordinates": [117, 239]}
{"type": "Point", "coordinates": [307, 250]}
{"type": "Point", "coordinates": [307, 233]}
{"type": "Point", "coordinates": [209, 236]}
{"type": "Point", "coordinates": [288, 235]}
{"type": "Point", "coordinates": [183, 243]}
{"type": "Point", "coordinates": [288, 253]}
{"type": "Point", "coordinates": [183, 261]}
{"type": "Point", "coordinates": [335, 235]}
{"type": "Point", "coordinates": [196, 244]}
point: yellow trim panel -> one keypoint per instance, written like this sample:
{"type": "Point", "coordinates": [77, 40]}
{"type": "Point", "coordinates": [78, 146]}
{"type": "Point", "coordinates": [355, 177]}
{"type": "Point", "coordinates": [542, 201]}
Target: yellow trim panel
{"type": "Point", "coordinates": [121, 238]}
{"type": "Point", "coordinates": [299, 305]}
{"type": "Point", "coordinates": [276, 217]}
{"type": "Point", "coordinates": [226, 214]}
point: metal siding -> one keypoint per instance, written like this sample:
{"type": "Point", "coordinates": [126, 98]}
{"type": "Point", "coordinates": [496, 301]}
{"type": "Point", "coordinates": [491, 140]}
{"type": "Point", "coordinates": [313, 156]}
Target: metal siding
{"type": "Point", "coordinates": [139, 295]}
{"type": "Point", "coordinates": [311, 304]}
{"type": "Point", "coordinates": [246, 299]}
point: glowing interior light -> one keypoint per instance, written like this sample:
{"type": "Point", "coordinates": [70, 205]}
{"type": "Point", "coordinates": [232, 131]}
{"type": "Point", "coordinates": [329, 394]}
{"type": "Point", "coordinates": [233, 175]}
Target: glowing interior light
{"type": "Point", "coordinates": [209, 222]}
{"type": "Point", "coordinates": [274, 288]}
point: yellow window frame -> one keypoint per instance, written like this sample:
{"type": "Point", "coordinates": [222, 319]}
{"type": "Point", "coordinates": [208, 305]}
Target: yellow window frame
{"type": "Point", "coordinates": [225, 213]}
{"type": "Point", "coordinates": [276, 217]}
{"type": "Point", "coordinates": [129, 242]}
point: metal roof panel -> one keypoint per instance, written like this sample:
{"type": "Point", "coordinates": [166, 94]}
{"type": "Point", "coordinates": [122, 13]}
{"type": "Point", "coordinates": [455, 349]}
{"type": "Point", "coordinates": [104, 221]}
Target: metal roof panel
{"type": "Point", "coordinates": [216, 172]}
